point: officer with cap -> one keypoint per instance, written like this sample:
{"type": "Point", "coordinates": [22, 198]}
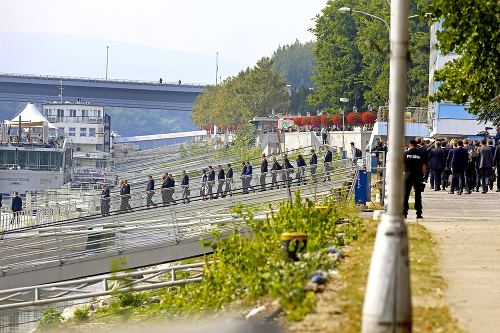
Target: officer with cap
{"type": "Point", "coordinates": [415, 165]}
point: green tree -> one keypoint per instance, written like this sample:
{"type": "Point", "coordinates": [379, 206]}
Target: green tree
{"type": "Point", "coordinates": [295, 63]}
{"type": "Point", "coordinates": [256, 91]}
{"type": "Point", "coordinates": [352, 55]}
{"type": "Point", "coordinates": [299, 103]}
{"type": "Point", "coordinates": [469, 28]}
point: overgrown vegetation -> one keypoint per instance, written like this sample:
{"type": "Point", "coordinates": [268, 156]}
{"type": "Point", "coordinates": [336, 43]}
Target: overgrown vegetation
{"type": "Point", "coordinates": [51, 319]}
{"type": "Point", "coordinates": [251, 265]}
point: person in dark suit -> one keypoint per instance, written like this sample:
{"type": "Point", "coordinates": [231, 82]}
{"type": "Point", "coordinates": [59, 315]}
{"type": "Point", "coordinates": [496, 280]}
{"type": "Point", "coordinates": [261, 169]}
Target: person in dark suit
{"type": "Point", "coordinates": [313, 162]}
{"type": "Point", "coordinates": [497, 137]}
{"type": "Point", "coordinates": [105, 200]}
{"type": "Point", "coordinates": [127, 195]}
{"type": "Point", "coordinates": [203, 182]}
{"type": "Point", "coordinates": [414, 166]}
{"type": "Point", "coordinates": [470, 170]}
{"type": "Point", "coordinates": [164, 186]}
{"type": "Point", "coordinates": [170, 189]}
{"type": "Point", "coordinates": [0, 201]}
{"type": "Point", "coordinates": [243, 171]}
{"type": "Point", "coordinates": [122, 196]}
{"type": "Point", "coordinates": [328, 163]}
{"type": "Point", "coordinates": [493, 177]}
{"type": "Point", "coordinates": [287, 170]}
{"type": "Point", "coordinates": [210, 182]}
{"type": "Point", "coordinates": [458, 164]}
{"type": "Point", "coordinates": [436, 165]}
{"type": "Point", "coordinates": [150, 187]}
{"type": "Point", "coordinates": [485, 165]}
{"type": "Point", "coordinates": [274, 173]}
{"type": "Point", "coordinates": [229, 180]}
{"type": "Point", "coordinates": [248, 178]}
{"type": "Point", "coordinates": [301, 166]}
{"type": "Point", "coordinates": [496, 164]}
{"type": "Point", "coordinates": [263, 172]}
{"type": "Point", "coordinates": [16, 207]}
{"type": "Point", "coordinates": [185, 187]}
{"type": "Point", "coordinates": [220, 181]}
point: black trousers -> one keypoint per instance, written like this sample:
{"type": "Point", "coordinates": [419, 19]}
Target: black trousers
{"type": "Point", "coordinates": [436, 178]}
{"type": "Point", "coordinates": [415, 181]}
{"type": "Point", "coordinates": [485, 174]}
{"type": "Point", "coordinates": [458, 180]}
{"type": "Point", "coordinates": [470, 178]}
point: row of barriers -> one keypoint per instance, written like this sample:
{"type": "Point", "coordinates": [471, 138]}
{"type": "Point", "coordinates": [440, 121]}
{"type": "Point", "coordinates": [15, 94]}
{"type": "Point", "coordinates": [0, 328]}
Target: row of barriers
{"type": "Point", "coordinates": [91, 205]}
{"type": "Point", "coordinates": [84, 246]}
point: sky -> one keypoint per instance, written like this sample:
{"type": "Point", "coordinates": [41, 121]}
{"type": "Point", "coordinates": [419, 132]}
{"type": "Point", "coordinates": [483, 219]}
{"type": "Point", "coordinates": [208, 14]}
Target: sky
{"type": "Point", "coordinates": [179, 38]}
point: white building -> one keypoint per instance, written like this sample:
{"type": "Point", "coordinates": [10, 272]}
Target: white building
{"type": "Point", "coordinates": [446, 118]}
{"type": "Point", "coordinates": [86, 125]}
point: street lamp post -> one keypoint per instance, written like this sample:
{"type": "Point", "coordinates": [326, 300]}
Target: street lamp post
{"type": "Point", "coordinates": [343, 100]}
{"type": "Point", "coordinates": [387, 303]}
{"type": "Point", "coordinates": [349, 10]}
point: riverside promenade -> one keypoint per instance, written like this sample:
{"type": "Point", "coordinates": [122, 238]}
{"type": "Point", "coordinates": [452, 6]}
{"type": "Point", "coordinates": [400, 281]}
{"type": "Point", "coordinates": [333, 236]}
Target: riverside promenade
{"type": "Point", "coordinates": [466, 229]}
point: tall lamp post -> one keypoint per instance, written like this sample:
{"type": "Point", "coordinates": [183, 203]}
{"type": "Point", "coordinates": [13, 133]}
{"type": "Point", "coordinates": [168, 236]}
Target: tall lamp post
{"type": "Point", "coordinates": [343, 100]}
{"type": "Point", "coordinates": [387, 303]}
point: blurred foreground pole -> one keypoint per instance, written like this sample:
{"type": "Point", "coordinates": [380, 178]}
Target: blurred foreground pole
{"type": "Point", "coordinates": [387, 304]}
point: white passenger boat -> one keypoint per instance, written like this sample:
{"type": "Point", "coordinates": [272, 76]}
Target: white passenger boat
{"type": "Point", "coordinates": [31, 158]}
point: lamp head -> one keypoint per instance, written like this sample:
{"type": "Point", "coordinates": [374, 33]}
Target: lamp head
{"type": "Point", "coordinates": [345, 10]}
{"type": "Point", "coordinates": [344, 99]}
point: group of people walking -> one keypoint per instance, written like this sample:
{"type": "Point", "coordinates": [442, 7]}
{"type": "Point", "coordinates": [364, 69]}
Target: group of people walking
{"type": "Point", "coordinates": [219, 182]}
{"type": "Point", "coordinates": [463, 166]}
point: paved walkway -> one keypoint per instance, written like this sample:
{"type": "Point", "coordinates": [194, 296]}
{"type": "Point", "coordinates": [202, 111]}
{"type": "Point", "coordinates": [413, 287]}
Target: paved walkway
{"type": "Point", "coordinates": [467, 231]}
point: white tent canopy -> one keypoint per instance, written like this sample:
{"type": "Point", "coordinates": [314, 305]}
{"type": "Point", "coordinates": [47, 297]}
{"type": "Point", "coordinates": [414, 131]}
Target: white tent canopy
{"type": "Point", "coordinates": [31, 117]}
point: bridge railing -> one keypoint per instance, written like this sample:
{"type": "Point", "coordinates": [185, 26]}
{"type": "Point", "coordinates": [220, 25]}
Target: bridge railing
{"type": "Point", "coordinates": [99, 80]}
{"type": "Point", "coordinates": [145, 230]}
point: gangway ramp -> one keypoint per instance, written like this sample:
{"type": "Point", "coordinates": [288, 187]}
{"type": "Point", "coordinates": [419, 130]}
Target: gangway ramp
{"type": "Point", "coordinates": [144, 236]}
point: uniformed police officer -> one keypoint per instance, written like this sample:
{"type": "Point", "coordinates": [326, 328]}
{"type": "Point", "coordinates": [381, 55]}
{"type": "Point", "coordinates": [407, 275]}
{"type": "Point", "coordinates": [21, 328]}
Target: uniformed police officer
{"type": "Point", "coordinates": [415, 165]}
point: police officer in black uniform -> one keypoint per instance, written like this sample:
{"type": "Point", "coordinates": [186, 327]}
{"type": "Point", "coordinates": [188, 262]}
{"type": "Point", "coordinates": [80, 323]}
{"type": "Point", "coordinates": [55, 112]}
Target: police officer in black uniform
{"type": "Point", "coordinates": [415, 165]}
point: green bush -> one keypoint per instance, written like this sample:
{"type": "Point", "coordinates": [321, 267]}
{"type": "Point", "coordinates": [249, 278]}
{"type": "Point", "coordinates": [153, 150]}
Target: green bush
{"type": "Point", "coordinates": [132, 299]}
{"type": "Point", "coordinates": [252, 265]}
{"type": "Point", "coordinates": [51, 319]}
{"type": "Point", "coordinates": [82, 314]}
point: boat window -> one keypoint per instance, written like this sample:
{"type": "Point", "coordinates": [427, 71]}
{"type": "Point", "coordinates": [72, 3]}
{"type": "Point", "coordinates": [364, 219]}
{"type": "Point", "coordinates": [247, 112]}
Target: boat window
{"type": "Point", "coordinates": [45, 160]}
{"type": "Point", "coordinates": [22, 158]}
{"type": "Point", "coordinates": [10, 157]}
{"type": "Point", "coordinates": [33, 159]}
{"type": "Point", "coordinates": [53, 159]}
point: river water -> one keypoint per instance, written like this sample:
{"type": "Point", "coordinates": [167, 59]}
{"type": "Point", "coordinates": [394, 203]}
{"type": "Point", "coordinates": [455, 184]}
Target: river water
{"type": "Point", "coordinates": [24, 319]}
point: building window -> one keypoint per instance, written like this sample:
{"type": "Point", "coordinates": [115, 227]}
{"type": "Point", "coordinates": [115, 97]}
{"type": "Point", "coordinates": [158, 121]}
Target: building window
{"type": "Point", "coordinates": [60, 131]}
{"type": "Point", "coordinates": [91, 131]}
{"type": "Point", "coordinates": [72, 131]}
{"type": "Point", "coordinates": [83, 131]}
{"type": "Point", "coordinates": [72, 113]}
{"type": "Point", "coordinates": [85, 113]}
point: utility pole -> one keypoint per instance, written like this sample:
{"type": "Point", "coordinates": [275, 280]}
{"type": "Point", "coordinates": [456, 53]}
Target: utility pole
{"type": "Point", "coordinates": [216, 67]}
{"type": "Point", "coordinates": [107, 58]}
{"type": "Point", "coordinates": [387, 304]}
{"type": "Point", "coordinates": [61, 91]}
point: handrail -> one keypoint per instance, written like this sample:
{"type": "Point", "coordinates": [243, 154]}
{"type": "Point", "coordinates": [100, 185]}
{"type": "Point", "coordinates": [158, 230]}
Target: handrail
{"type": "Point", "coordinates": [100, 80]}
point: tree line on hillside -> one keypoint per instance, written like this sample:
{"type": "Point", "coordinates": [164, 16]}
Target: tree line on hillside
{"type": "Point", "coordinates": [254, 91]}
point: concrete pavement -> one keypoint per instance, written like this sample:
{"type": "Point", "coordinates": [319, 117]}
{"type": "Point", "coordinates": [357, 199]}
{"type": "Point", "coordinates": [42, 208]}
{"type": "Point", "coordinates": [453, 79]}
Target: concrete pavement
{"type": "Point", "coordinates": [467, 231]}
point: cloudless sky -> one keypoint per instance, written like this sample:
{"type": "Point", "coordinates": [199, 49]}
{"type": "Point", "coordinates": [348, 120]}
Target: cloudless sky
{"type": "Point", "coordinates": [241, 31]}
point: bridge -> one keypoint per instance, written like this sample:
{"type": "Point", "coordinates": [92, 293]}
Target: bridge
{"type": "Point", "coordinates": [58, 251]}
{"type": "Point", "coordinates": [118, 93]}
